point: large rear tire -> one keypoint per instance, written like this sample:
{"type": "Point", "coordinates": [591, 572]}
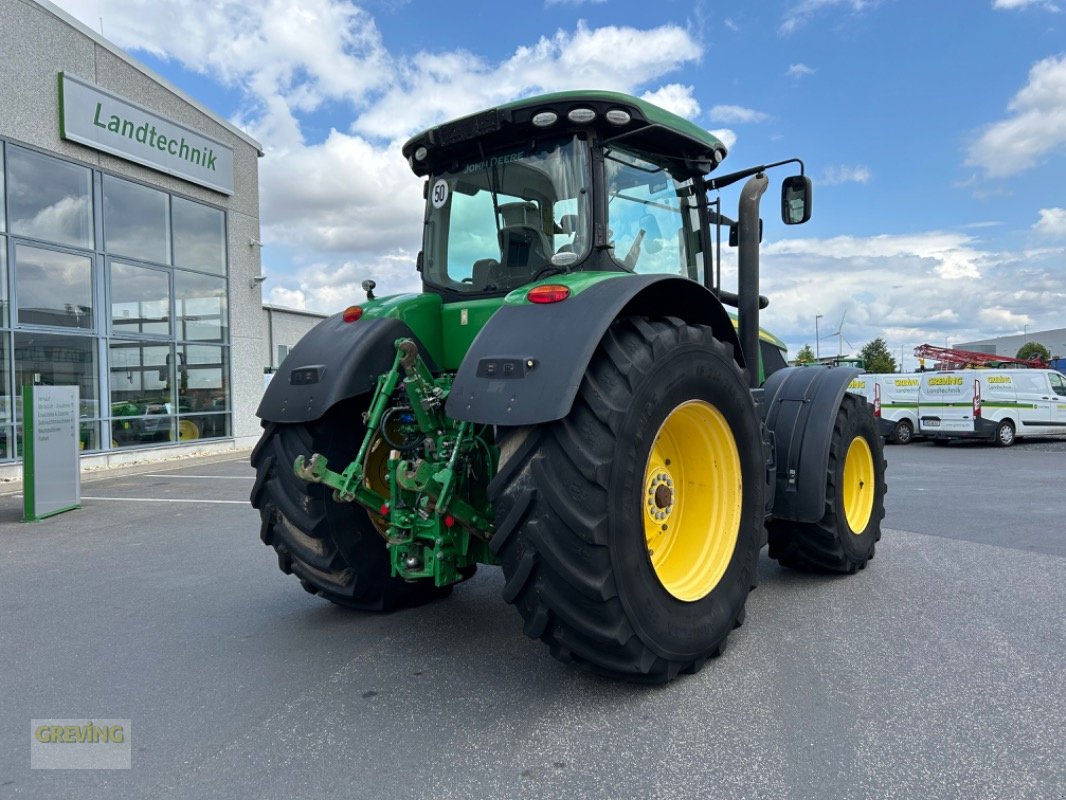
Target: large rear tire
{"type": "Point", "coordinates": [629, 530]}
{"type": "Point", "coordinates": [333, 548]}
{"type": "Point", "coordinates": [845, 538]}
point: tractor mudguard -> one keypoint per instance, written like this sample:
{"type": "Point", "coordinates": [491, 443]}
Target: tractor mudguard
{"type": "Point", "coordinates": [526, 364]}
{"type": "Point", "coordinates": [800, 407]}
{"type": "Point", "coordinates": [334, 361]}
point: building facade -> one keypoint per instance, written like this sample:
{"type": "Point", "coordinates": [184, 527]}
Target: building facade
{"type": "Point", "coordinates": [1054, 340]}
{"type": "Point", "coordinates": [129, 249]}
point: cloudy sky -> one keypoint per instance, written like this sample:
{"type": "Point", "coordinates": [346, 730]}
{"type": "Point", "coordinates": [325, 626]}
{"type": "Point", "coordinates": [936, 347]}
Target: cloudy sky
{"type": "Point", "coordinates": [935, 133]}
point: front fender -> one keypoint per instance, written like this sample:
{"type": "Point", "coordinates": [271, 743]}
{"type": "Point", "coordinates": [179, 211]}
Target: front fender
{"type": "Point", "coordinates": [335, 360]}
{"type": "Point", "coordinates": [800, 407]}
{"type": "Point", "coordinates": [526, 364]}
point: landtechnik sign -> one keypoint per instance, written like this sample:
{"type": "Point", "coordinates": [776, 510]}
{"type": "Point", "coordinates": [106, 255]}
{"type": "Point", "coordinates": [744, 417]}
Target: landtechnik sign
{"type": "Point", "coordinates": [99, 119]}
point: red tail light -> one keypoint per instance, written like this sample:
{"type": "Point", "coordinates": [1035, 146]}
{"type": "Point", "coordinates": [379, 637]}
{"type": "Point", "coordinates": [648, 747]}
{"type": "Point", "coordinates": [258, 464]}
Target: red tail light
{"type": "Point", "coordinates": [877, 399]}
{"type": "Point", "coordinates": [548, 293]}
{"type": "Point", "coordinates": [976, 399]}
{"type": "Point", "coordinates": [352, 313]}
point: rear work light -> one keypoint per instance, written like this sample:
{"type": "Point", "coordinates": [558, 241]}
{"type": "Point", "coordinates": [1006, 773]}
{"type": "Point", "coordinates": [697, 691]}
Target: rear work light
{"type": "Point", "coordinates": [352, 313]}
{"type": "Point", "coordinates": [548, 293]}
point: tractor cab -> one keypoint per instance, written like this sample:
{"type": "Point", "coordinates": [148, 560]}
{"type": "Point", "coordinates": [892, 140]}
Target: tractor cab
{"type": "Point", "coordinates": [571, 182]}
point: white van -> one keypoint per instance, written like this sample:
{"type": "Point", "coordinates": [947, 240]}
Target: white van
{"type": "Point", "coordinates": [994, 404]}
{"type": "Point", "coordinates": [894, 399]}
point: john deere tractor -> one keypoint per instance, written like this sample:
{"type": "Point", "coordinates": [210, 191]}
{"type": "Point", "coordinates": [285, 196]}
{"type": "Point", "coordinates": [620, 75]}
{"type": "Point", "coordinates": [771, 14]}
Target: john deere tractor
{"type": "Point", "coordinates": [568, 398]}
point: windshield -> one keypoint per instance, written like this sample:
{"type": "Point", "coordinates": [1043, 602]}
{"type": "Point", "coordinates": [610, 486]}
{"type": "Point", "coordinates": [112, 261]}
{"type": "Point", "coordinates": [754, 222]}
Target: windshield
{"type": "Point", "coordinates": [497, 222]}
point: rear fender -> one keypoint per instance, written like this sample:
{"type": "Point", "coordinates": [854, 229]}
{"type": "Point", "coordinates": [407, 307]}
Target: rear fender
{"type": "Point", "coordinates": [526, 364]}
{"type": "Point", "coordinates": [799, 408]}
{"type": "Point", "coordinates": [334, 361]}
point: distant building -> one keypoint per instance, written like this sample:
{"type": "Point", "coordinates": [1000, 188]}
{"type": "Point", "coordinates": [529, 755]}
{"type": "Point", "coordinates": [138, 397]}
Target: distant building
{"type": "Point", "coordinates": [129, 250]}
{"type": "Point", "coordinates": [1053, 340]}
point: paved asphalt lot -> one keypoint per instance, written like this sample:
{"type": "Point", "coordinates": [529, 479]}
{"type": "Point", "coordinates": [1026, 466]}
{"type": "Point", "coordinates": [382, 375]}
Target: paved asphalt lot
{"type": "Point", "coordinates": [935, 673]}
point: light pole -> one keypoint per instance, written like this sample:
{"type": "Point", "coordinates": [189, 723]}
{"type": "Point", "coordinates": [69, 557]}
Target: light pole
{"type": "Point", "coordinates": [1025, 334]}
{"type": "Point", "coordinates": [817, 351]}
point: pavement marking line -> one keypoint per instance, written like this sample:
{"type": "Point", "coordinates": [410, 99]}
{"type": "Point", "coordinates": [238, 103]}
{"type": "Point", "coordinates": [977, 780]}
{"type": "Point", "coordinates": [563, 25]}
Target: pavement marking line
{"type": "Point", "coordinates": [166, 500]}
{"type": "Point", "coordinates": [206, 477]}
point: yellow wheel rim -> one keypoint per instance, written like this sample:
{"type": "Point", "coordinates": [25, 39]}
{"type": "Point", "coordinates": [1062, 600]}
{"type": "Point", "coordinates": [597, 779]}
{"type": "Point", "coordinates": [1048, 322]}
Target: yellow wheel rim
{"type": "Point", "coordinates": [858, 485]}
{"type": "Point", "coordinates": [187, 430]}
{"type": "Point", "coordinates": [692, 498]}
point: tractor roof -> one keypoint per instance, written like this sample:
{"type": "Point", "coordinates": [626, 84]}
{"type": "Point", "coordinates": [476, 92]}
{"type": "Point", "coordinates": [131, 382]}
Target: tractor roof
{"type": "Point", "coordinates": [646, 125]}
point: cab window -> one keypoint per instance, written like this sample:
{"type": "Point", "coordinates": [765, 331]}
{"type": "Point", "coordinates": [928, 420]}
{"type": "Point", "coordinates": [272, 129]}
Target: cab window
{"type": "Point", "coordinates": [1058, 384]}
{"type": "Point", "coordinates": [650, 217]}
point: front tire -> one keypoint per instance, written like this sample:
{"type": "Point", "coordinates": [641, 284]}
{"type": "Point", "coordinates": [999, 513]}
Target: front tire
{"type": "Point", "coordinates": [845, 538]}
{"type": "Point", "coordinates": [333, 548]}
{"type": "Point", "coordinates": [628, 531]}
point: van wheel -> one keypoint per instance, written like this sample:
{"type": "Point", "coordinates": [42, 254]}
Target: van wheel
{"type": "Point", "coordinates": [1005, 433]}
{"type": "Point", "coordinates": [903, 433]}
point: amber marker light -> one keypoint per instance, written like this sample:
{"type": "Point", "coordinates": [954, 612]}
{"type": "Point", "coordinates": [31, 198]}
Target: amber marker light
{"type": "Point", "coordinates": [352, 313]}
{"type": "Point", "coordinates": [548, 293]}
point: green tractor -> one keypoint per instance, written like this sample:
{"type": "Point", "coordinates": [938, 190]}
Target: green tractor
{"type": "Point", "coordinates": [569, 399]}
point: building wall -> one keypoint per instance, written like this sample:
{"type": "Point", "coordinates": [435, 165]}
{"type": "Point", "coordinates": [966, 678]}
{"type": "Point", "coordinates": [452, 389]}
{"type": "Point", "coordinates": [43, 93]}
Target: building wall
{"type": "Point", "coordinates": [285, 327]}
{"type": "Point", "coordinates": [1054, 340]}
{"type": "Point", "coordinates": [40, 41]}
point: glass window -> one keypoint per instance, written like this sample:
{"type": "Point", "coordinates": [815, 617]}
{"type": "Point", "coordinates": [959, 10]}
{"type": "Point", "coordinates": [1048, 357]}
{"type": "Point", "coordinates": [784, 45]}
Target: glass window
{"type": "Point", "coordinates": [47, 359]}
{"type": "Point", "coordinates": [141, 379]}
{"type": "Point", "coordinates": [3, 280]}
{"type": "Point", "coordinates": [89, 436]}
{"type": "Point", "coordinates": [53, 288]}
{"type": "Point", "coordinates": [646, 219]}
{"type": "Point", "coordinates": [199, 236]}
{"type": "Point", "coordinates": [135, 221]}
{"type": "Point", "coordinates": [3, 216]}
{"type": "Point", "coordinates": [202, 379]}
{"type": "Point", "coordinates": [5, 391]}
{"type": "Point", "coordinates": [200, 307]}
{"type": "Point", "coordinates": [140, 300]}
{"type": "Point", "coordinates": [497, 222]}
{"type": "Point", "coordinates": [1058, 384]}
{"type": "Point", "coordinates": [49, 199]}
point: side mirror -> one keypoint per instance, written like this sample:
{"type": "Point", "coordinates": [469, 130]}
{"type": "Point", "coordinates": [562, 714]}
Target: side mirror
{"type": "Point", "coordinates": [653, 236]}
{"type": "Point", "coordinates": [796, 200]}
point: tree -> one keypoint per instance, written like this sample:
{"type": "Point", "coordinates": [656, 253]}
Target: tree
{"type": "Point", "coordinates": [876, 357]}
{"type": "Point", "coordinates": [1034, 350]}
{"type": "Point", "coordinates": [805, 355]}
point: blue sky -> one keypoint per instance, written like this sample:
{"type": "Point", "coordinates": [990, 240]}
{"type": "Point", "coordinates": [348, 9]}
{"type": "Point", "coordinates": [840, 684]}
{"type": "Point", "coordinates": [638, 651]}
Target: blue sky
{"type": "Point", "coordinates": [935, 133]}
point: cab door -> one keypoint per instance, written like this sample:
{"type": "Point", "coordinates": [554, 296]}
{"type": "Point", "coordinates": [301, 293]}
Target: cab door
{"type": "Point", "coordinates": [1058, 402]}
{"type": "Point", "coordinates": [1034, 401]}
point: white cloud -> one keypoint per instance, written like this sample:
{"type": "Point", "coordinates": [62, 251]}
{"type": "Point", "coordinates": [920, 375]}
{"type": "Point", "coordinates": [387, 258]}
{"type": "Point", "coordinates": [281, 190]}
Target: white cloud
{"type": "Point", "coordinates": [835, 175]}
{"type": "Point", "coordinates": [343, 206]}
{"type": "Point", "coordinates": [1012, 5]}
{"type": "Point", "coordinates": [731, 114]}
{"type": "Point", "coordinates": [674, 97]}
{"type": "Point", "coordinates": [801, 12]}
{"type": "Point", "coordinates": [549, 3]}
{"type": "Point", "coordinates": [1052, 223]}
{"type": "Point", "coordinates": [729, 24]}
{"type": "Point", "coordinates": [431, 87]}
{"type": "Point", "coordinates": [725, 136]}
{"type": "Point", "coordinates": [910, 289]}
{"type": "Point", "coordinates": [1036, 127]}
{"type": "Point", "coordinates": [798, 71]}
